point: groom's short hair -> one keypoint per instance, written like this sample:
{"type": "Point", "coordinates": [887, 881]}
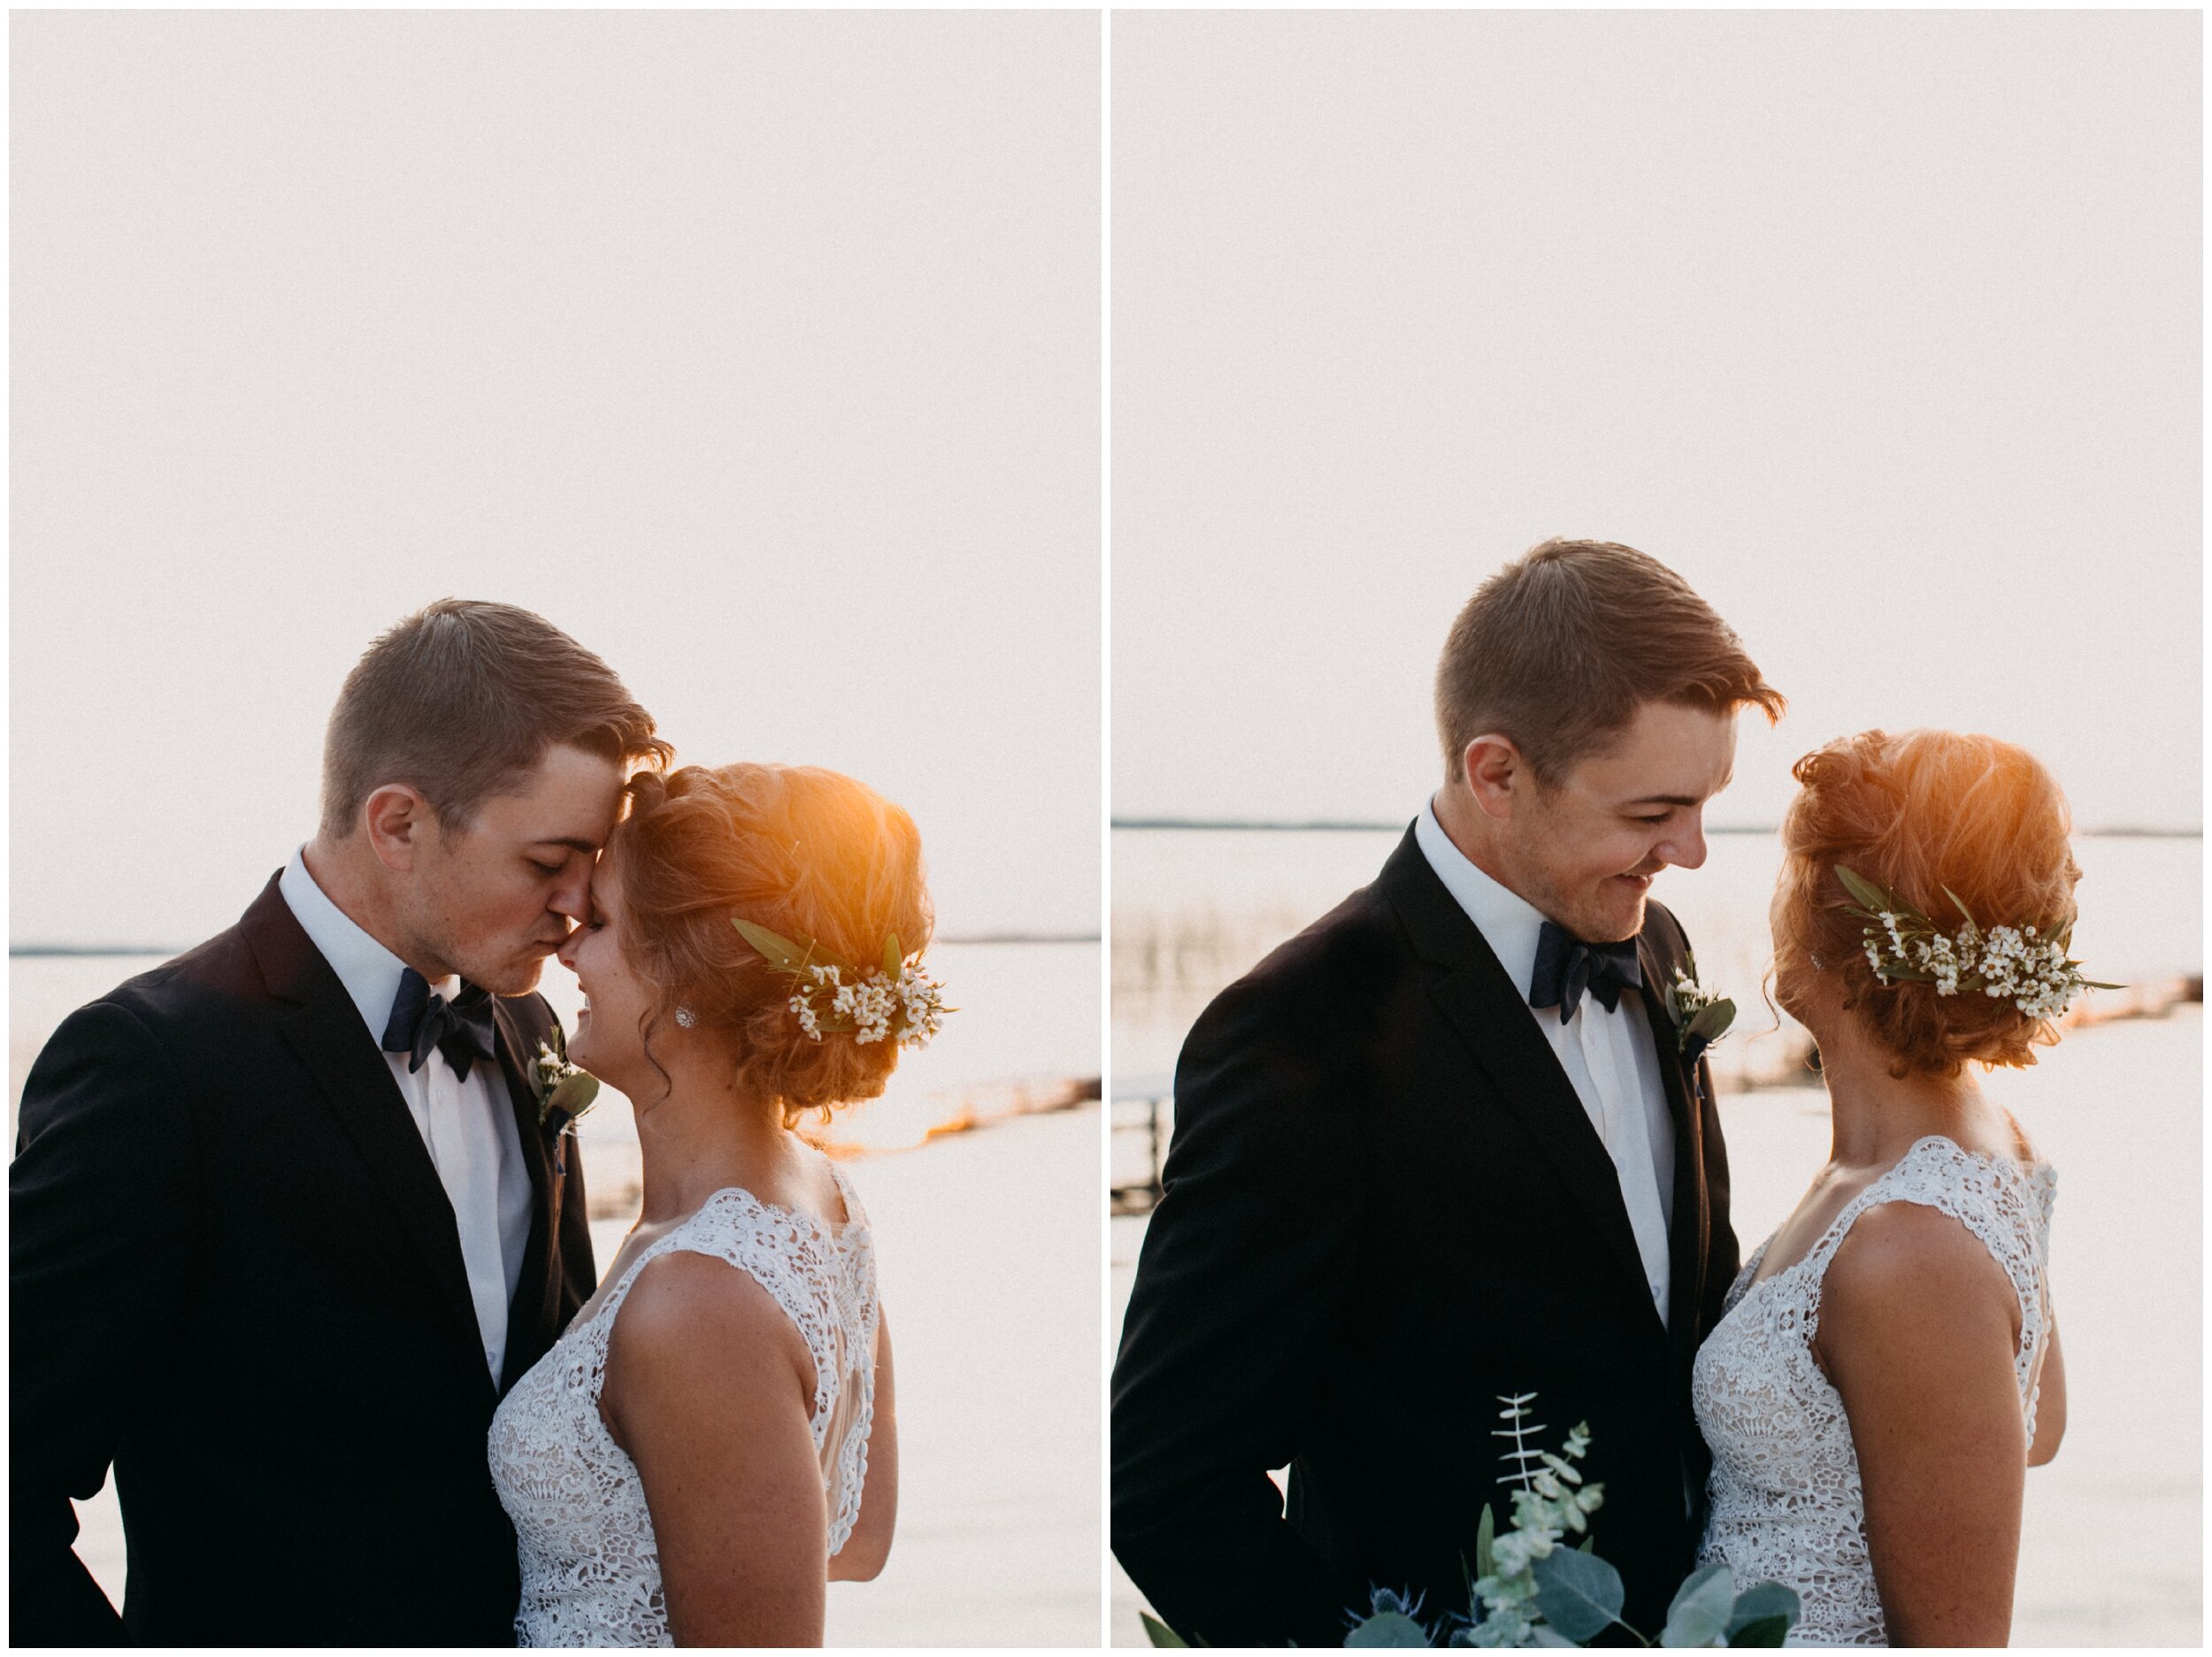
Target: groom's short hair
{"type": "Point", "coordinates": [462, 701]}
{"type": "Point", "coordinates": [1559, 648]}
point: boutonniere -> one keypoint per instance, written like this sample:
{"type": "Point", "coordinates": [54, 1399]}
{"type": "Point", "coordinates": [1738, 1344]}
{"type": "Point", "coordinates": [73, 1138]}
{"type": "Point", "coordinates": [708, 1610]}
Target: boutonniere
{"type": "Point", "coordinates": [565, 1090]}
{"type": "Point", "coordinates": [1701, 1017]}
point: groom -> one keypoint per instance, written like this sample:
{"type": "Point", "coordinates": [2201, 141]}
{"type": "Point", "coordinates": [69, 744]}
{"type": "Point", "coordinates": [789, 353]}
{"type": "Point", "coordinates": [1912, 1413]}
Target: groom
{"type": "Point", "coordinates": [1444, 1147]}
{"type": "Point", "coordinates": [283, 1224]}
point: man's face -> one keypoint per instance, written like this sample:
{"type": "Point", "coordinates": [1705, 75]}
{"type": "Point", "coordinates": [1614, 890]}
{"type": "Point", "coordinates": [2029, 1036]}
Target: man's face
{"type": "Point", "coordinates": [1589, 845]}
{"type": "Point", "coordinates": [491, 900]}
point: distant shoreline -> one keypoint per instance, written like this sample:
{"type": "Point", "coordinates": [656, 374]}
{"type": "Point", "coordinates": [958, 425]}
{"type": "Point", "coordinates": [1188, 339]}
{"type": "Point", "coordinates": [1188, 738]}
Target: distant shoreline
{"type": "Point", "coordinates": [1335, 825]}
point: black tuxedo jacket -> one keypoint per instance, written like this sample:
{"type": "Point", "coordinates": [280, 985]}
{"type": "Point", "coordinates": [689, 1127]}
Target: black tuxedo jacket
{"type": "Point", "coordinates": [1384, 1210]}
{"type": "Point", "coordinates": [237, 1277]}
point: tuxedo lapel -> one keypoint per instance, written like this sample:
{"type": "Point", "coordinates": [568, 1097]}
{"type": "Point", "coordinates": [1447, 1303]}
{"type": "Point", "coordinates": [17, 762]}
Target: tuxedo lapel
{"type": "Point", "coordinates": [324, 1029]}
{"type": "Point", "coordinates": [535, 1307]}
{"type": "Point", "coordinates": [1492, 1019]}
{"type": "Point", "coordinates": [1690, 1240]}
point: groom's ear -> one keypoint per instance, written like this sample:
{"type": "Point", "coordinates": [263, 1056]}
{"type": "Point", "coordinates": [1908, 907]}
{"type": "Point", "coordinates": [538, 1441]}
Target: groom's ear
{"type": "Point", "coordinates": [396, 818]}
{"type": "Point", "coordinates": [1496, 775]}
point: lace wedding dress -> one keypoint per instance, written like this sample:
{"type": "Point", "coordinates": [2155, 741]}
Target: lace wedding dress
{"type": "Point", "coordinates": [590, 1571]}
{"type": "Point", "coordinates": [1786, 1504]}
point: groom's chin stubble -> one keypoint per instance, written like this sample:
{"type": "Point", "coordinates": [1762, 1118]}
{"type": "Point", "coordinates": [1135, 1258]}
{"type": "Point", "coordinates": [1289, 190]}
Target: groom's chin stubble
{"type": "Point", "coordinates": [519, 977]}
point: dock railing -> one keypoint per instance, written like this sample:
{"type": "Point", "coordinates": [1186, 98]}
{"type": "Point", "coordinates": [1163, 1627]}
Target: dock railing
{"type": "Point", "coordinates": [1143, 1115]}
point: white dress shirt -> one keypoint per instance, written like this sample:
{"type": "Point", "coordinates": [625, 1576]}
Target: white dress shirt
{"type": "Point", "coordinates": [1609, 1056]}
{"type": "Point", "coordinates": [467, 1126]}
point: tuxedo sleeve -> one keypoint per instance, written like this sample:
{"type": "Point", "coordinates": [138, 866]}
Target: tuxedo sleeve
{"type": "Point", "coordinates": [580, 1274]}
{"type": "Point", "coordinates": [1241, 1290]}
{"type": "Point", "coordinates": [100, 1222]}
{"type": "Point", "coordinates": [1723, 1253]}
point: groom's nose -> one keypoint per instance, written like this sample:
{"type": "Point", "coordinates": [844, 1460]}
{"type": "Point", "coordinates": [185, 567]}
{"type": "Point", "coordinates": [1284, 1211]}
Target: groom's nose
{"type": "Point", "coordinates": [1684, 846]}
{"type": "Point", "coordinates": [572, 896]}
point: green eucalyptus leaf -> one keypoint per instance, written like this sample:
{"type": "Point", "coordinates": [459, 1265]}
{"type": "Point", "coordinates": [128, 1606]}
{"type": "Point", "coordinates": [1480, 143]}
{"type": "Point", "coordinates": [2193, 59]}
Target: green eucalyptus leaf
{"type": "Point", "coordinates": [1160, 1633]}
{"type": "Point", "coordinates": [573, 1094]}
{"type": "Point", "coordinates": [1766, 1630]}
{"type": "Point", "coordinates": [1486, 1537]}
{"type": "Point", "coordinates": [1963, 910]}
{"type": "Point", "coordinates": [1760, 1604]}
{"type": "Point", "coordinates": [780, 952]}
{"type": "Point", "coordinates": [1389, 1628]}
{"type": "Point", "coordinates": [1711, 1022]}
{"type": "Point", "coordinates": [1702, 1607]}
{"type": "Point", "coordinates": [894, 957]}
{"type": "Point", "coordinates": [1865, 891]}
{"type": "Point", "coordinates": [1578, 1593]}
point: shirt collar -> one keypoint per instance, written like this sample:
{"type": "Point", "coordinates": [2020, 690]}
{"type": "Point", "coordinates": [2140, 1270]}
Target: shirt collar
{"type": "Point", "coordinates": [370, 971]}
{"type": "Point", "coordinates": [1509, 922]}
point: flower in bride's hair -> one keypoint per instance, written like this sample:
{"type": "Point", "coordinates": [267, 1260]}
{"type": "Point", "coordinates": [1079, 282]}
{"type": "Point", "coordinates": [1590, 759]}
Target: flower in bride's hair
{"type": "Point", "coordinates": [2025, 964]}
{"type": "Point", "coordinates": [894, 1000]}
{"type": "Point", "coordinates": [923, 1001]}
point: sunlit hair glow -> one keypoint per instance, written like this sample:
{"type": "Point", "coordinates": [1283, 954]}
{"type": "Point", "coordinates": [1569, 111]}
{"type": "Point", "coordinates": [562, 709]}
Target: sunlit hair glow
{"type": "Point", "coordinates": [1916, 812]}
{"type": "Point", "coordinates": [800, 850]}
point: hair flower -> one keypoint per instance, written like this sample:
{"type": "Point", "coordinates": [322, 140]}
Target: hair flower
{"type": "Point", "coordinates": [894, 1000]}
{"type": "Point", "coordinates": [2025, 964]}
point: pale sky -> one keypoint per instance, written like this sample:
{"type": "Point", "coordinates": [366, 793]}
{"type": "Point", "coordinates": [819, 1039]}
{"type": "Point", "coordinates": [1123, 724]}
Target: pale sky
{"type": "Point", "coordinates": [758, 350]}
{"type": "Point", "coordinates": [1884, 328]}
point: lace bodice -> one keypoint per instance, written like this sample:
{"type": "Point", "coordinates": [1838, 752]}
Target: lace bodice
{"type": "Point", "coordinates": [590, 1569]}
{"type": "Point", "coordinates": [1786, 1504]}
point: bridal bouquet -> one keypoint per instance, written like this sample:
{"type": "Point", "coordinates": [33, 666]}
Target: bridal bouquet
{"type": "Point", "coordinates": [1532, 1590]}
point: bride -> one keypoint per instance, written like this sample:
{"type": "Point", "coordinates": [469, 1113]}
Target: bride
{"type": "Point", "coordinates": [712, 1439]}
{"type": "Point", "coordinates": [1888, 1367]}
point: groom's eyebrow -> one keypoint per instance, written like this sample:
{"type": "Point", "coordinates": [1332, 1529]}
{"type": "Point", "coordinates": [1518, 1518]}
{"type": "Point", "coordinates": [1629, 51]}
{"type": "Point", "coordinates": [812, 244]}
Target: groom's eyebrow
{"type": "Point", "coordinates": [570, 841]}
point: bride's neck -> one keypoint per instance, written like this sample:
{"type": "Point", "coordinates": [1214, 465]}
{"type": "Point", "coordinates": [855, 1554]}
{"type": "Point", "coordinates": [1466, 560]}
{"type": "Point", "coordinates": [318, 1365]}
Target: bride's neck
{"type": "Point", "coordinates": [1874, 1116]}
{"type": "Point", "coordinates": [699, 1137]}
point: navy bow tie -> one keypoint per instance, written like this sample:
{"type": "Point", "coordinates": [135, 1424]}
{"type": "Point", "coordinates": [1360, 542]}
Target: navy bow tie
{"type": "Point", "coordinates": [1566, 966]}
{"type": "Point", "coordinates": [422, 1019]}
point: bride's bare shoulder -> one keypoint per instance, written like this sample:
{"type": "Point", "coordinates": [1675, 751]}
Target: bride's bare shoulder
{"type": "Point", "coordinates": [1907, 1272]}
{"type": "Point", "coordinates": [695, 1324]}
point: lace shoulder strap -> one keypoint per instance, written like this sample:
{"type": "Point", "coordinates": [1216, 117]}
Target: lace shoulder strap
{"type": "Point", "coordinates": [2006, 1206]}
{"type": "Point", "coordinates": [788, 1253]}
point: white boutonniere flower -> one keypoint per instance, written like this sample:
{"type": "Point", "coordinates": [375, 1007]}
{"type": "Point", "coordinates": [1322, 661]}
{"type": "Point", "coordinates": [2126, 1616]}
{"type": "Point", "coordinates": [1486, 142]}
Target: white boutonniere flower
{"type": "Point", "coordinates": [565, 1090]}
{"type": "Point", "coordinates": [1701, 1017]}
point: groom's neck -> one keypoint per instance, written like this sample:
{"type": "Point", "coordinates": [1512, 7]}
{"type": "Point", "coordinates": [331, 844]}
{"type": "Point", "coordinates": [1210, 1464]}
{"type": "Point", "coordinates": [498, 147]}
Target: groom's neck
{"type": "Point", "coordinates": [1481, 841]}
{"type": "Point", "coordinates": [338, 870]}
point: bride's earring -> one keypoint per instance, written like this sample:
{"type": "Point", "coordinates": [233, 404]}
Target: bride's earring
{"type": "Point", "coordinates": [1818, 966]}
{"type": "Point", "coordinates": [686, 1017]}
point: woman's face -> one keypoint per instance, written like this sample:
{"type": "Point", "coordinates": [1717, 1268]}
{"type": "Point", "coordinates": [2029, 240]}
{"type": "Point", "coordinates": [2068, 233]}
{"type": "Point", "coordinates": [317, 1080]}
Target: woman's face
{"type": "Point", "coordinates": [609, 1037]}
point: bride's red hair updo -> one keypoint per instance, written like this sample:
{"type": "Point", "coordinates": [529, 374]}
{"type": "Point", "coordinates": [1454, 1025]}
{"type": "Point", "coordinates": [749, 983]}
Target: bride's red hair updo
{"type": "Point", "coordinates": [800, 850]}
{"type": "Point", "coordinates": [1914, 813]}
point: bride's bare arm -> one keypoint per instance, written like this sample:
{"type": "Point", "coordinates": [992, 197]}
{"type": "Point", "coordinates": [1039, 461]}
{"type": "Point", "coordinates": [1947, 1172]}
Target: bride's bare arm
{"type": "Point", "coordinates": [2050, 1404]}
{"type": "Point", "coordinates": [870, 1544]}
{"type": "Point", "coordinates": [1918, 1330]}
{"type": "Point", "coordinates": [710, 1389]}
